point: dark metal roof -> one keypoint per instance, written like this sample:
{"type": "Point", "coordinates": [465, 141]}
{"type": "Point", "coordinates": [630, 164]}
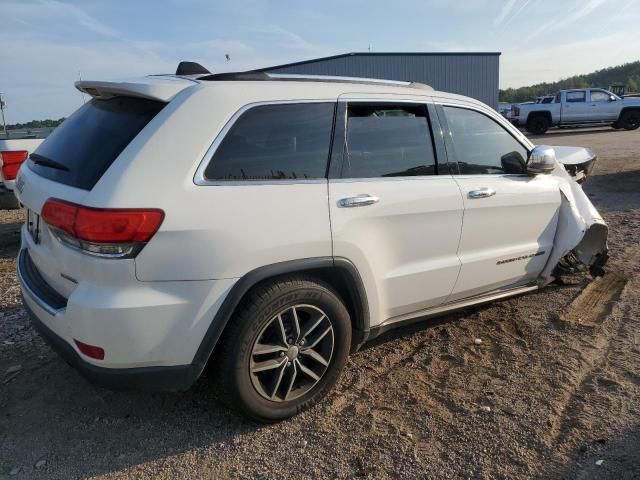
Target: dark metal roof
{"type": "Point", "coordinates": [377, 54]}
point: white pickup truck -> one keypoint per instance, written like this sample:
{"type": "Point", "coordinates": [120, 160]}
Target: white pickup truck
{"type": "Point", "coordinates": [13, 152]}
{"type": "Point", "coordinates": [586, 106]}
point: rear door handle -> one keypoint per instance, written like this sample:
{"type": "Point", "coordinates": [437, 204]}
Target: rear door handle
{"type": "Point", "coordinates": [357, 201]}
{"type": "Point", "coordinates": [483, 192]}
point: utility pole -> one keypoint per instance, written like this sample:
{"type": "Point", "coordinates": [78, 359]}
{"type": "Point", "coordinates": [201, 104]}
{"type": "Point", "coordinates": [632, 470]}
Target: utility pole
{"type": "Point", "coordinates": [2, 107]}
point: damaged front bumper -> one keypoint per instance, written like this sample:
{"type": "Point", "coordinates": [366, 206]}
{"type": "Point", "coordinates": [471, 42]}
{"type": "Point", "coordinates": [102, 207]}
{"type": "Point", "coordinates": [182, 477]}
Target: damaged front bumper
{"type": "Point", "coordinates": [580, 242]}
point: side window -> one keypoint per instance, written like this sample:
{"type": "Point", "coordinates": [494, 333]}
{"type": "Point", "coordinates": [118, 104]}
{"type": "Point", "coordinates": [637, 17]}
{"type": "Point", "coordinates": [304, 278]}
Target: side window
{"type": "Point", "coordinates": [576, 97]}
{"type": "Point", "coordinates": [599, 96]}
{"type": "Point", "coordinates": [481, 145]}
{"type": "Point", "coordinates": [387, 141]}
{"type": "Point", "coordinates": [275, 142]}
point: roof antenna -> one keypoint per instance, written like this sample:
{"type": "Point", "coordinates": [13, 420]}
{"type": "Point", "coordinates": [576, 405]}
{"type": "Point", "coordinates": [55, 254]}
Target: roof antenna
{"type": "Point", "coordinates": [369, 47]}
{"type": "Point", "coordinates": [191, 68]}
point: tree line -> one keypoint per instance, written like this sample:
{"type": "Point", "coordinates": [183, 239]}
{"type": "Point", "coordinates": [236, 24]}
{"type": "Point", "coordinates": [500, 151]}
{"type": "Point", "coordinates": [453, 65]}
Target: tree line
{"type": "Point", "coordinates": [627, 75]}
{"type": "Point", "coordinates": [48, 123]}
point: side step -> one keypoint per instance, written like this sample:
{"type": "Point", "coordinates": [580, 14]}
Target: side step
{"type": "Point", "coordinates": [420, 315]}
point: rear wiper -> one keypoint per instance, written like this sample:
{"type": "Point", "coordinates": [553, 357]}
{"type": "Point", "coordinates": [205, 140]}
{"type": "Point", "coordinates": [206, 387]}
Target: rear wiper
{"type": "Point", "coordinates": [47, 162]}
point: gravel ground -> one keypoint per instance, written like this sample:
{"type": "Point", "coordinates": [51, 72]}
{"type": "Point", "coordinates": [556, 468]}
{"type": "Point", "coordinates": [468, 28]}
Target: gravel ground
{"type": "Point", "coordinates": [551, 392]}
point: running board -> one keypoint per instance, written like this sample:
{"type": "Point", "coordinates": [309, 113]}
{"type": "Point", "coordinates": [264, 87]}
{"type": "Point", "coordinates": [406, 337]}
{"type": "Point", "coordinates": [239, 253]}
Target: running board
{"type": "Point", "coordinates": [427, 313]}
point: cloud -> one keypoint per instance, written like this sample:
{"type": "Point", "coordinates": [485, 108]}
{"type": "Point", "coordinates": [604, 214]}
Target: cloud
{"type": "Point", "coordinates": [284, 38]}
{"type": "Point", "coordinates": [515, 15]}
{"type": "Point", "coordinates": [506, 9]}
{"type": "Point", "coordinates": [561, 22]}
{"type": "Point", "coordinates": [519, 67]}
{"type": "Point", "coordinates": [48, 12]}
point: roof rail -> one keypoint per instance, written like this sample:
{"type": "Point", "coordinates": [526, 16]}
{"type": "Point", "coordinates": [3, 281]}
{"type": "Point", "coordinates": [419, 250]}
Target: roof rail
{"type": "Point", "coordinates": [265, 76]}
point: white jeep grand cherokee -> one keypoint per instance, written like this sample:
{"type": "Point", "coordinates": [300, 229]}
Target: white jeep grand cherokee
{"type": "Point", "coordinates": [278, 223]}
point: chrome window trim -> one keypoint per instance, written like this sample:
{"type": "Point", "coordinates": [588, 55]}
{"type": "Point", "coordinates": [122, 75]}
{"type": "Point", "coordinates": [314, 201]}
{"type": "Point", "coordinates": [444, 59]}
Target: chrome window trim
{"type": "Point", "coordinates": [408, 178]}
{"type": "Point", "coordinates": [199, 178]}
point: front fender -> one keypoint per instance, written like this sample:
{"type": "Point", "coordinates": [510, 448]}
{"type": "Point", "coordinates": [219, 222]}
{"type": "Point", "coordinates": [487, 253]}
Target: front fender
{"type": "Point", "coordinates": [581, 232]}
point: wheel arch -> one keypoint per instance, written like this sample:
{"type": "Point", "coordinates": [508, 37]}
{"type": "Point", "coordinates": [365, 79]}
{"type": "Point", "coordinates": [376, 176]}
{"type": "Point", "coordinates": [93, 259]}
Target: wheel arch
{"type": "Point", "coordinates": [540, 113]}
{"type": "Point", "coordinates": [338, 272]}
{"type": "Point", "coordinates": [635, 108]}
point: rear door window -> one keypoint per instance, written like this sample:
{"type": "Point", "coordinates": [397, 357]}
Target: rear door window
{"type": "Point", "coordinates": [388, 140]}
{"type": "Point", "coordinates": [275, 142]}
{"type": "Point", "coordinates": [81, 150]}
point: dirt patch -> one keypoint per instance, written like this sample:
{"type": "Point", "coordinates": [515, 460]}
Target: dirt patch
{"type": "Point", "coordinates": [538, 398]}
{"type": "Point", "coordinates": [595, 301]}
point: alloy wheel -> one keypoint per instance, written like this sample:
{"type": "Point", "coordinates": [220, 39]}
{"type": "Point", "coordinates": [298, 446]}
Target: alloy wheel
{"type": "Point", "coordinates": [291, 353]}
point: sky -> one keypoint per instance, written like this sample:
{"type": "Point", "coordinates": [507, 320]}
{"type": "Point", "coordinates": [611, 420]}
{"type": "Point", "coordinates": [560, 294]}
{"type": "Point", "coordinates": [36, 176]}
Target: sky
{"type": "Point", "coordinates": [46, 45]}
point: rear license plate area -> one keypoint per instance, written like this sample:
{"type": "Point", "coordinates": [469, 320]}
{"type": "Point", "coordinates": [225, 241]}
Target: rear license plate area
{"type": "Point", "coordinates": [33, 225]}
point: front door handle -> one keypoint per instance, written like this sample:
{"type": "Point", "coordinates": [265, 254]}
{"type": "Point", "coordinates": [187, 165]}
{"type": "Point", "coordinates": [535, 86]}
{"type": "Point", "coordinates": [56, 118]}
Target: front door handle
{"type": "Point", "coordinates": [357, 201]}
{"type": "Point", "coordinates": [483, 192]}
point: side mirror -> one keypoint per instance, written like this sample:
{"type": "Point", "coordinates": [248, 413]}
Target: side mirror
{"type": "Point", "coordinates": [612, 98]}
{"type": "Point", "coordinates": [542, 159]}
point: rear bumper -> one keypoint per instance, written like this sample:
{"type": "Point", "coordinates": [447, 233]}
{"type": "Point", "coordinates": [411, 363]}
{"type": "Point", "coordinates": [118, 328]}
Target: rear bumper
{"type": "Point", "coordinates": [37, 295]}
{"type": "Point", "coordinates": [173, 378]}
{"type": "Point", "coordinates": [149, 345]}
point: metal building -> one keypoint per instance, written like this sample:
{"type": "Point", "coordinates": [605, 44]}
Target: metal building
{"type": "Point", "coordinates": [472, 74]}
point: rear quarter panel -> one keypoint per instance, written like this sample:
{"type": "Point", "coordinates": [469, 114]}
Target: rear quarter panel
{"type": "Point", "coordinates": [213, 231]}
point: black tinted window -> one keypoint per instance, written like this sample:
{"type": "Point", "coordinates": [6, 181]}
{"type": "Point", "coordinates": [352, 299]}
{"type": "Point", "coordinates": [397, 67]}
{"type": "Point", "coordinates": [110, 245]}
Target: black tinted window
{"type": "Point", "coordinates": [481, 145]}
{"type": "Point", "coordinates": [387, 141]}
{"type": "Point", "coordinates": [88, 142]}
{"type": "Point", "coordinates": [275, 142]}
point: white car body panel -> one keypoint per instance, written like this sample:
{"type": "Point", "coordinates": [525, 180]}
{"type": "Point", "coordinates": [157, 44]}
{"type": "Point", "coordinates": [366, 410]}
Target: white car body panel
{"type": "Point", "coordinates": [518, 221]}
{"type": "Point", "coordinates": [417, 249]}
{"type": "Point", "coordinates": [406, 264]}
{"type": "Point", "coordinates": [156, 87]}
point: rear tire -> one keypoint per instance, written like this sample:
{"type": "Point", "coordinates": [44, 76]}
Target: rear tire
{"type": "Point", "coordinates": [284, 348]}
{"type": "Point", "coordinates": [630, 120]}
{"type": "Point", "coordinates": [538, 125]}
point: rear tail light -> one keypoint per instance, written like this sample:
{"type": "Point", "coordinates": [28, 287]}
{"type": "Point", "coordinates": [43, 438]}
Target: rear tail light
{"type": "Point", "coordinates": [90, 350]}
{"type": "Point", "coordinates": [516, 112]}
{"type": "Point", "coordinates": [113, 233]}
{"type": "Point", "coordinates": [11, 161]}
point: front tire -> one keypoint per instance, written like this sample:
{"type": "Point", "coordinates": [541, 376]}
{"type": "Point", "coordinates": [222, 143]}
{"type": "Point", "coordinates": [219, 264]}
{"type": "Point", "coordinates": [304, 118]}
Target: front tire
{"type": "Point", "coordinates": [284, 348]}
{"type": "Point", "coordinates": [630, 120]}
{"type": "Point", "coordinates": [538, 125]}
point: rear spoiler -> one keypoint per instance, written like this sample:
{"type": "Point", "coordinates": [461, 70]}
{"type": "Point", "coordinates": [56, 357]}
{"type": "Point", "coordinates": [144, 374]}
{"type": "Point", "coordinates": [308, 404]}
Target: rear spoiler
{"type": "Point", "coordinates": [157, 87]}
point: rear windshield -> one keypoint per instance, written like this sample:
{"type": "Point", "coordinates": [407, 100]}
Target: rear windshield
{"type": "Point", "coordinates": [80, 150]}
